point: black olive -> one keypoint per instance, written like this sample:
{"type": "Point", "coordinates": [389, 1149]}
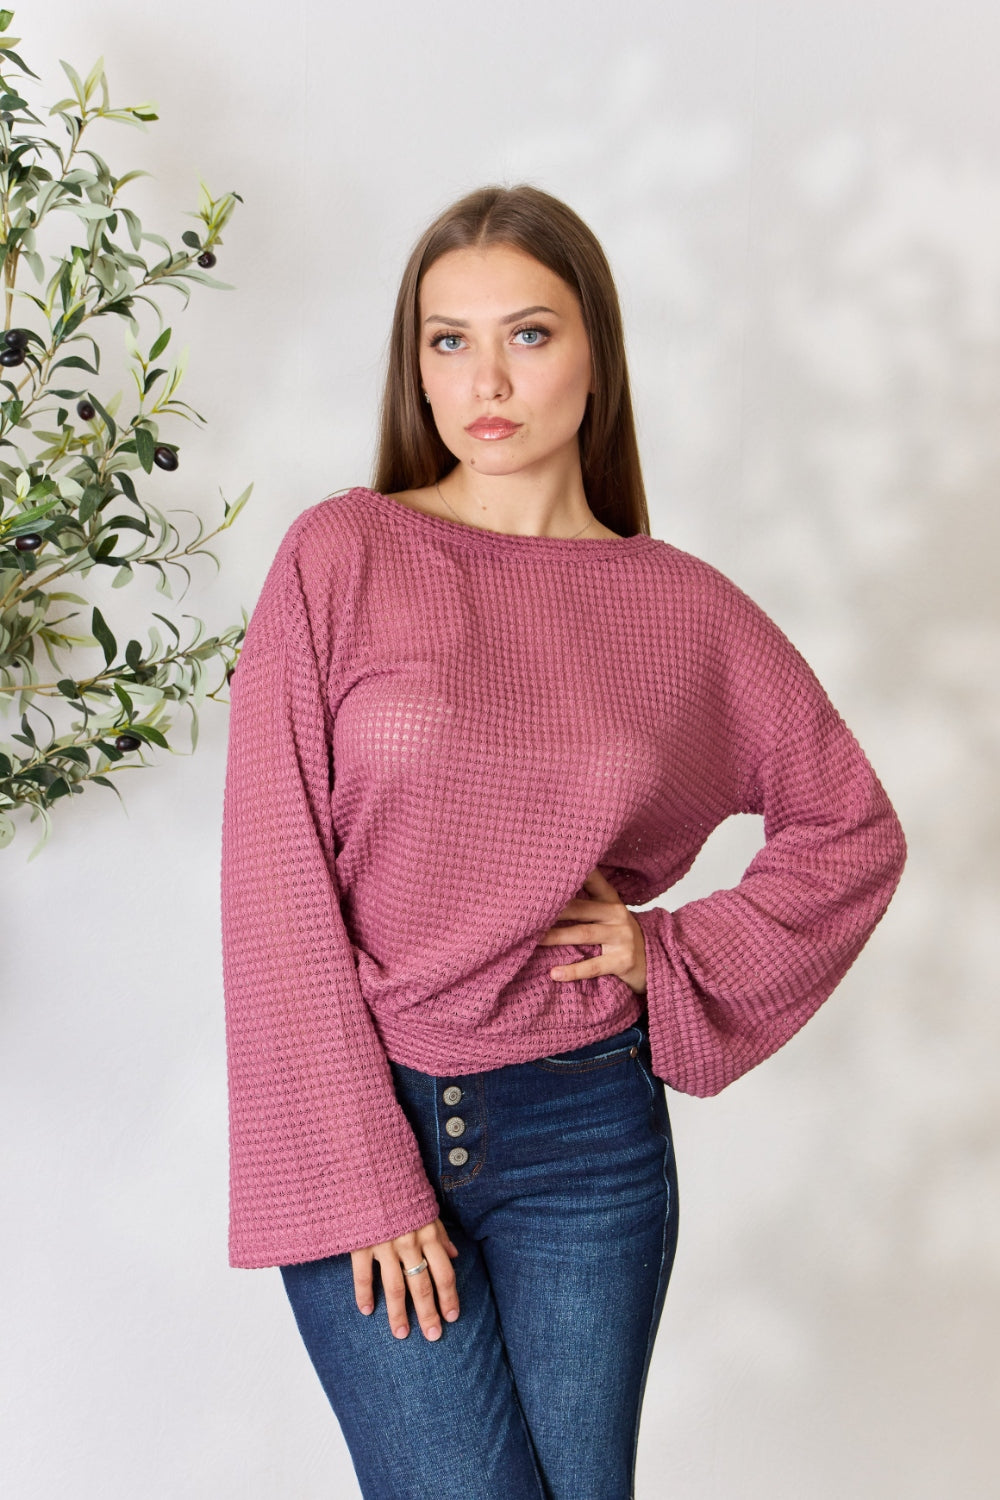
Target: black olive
{"type": "Point", "coordinates": [28, 543]}
{"type": "Point", "coordinates": [206, 259]}
{"type": "Point", "coordinates": [11, 356]}
{"type": "Point", "coordinates": [164, 457]}
{"type": "Point", "coordinates": [16, 338]}
{"type": "Point", "coordinates": [127, 742]}
{"type": "Point", "coordinates": [85, 410]}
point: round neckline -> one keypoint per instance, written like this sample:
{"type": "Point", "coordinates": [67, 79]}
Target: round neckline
{"type": "Point", "coordinates": [481, 539]}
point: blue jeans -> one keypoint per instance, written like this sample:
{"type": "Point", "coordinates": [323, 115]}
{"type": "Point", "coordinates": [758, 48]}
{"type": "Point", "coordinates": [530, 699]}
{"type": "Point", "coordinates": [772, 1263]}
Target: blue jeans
{"type": "Point", "coordinates": [564, 1213]}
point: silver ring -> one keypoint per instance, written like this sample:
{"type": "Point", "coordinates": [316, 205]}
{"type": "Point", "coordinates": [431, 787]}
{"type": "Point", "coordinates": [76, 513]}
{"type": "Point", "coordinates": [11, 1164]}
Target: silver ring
{"type": "Point", "coordinates": [413, 1271]}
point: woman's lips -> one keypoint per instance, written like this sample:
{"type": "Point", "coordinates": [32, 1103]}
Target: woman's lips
{"type": "Point", "coordinates": [491, 427]}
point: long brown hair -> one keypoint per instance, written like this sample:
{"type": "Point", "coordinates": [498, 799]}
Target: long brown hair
{"type": "Point", "coordinates": [410, 451]}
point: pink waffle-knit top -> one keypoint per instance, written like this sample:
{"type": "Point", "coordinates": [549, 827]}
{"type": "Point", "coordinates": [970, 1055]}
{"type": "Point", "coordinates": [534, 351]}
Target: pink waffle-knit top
{"type": "Point", "coordinates": [436, 732]}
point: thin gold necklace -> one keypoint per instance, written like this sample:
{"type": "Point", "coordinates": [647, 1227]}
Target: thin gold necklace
{"type": "Point", "coordinates": [483, 528]}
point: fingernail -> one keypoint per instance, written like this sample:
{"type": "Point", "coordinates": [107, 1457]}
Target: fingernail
{"type": "Point", "coordinates": [401, 1332]}
{"type": "Point", "coordinates": [434, 1333]}
{"type": "Point", "coordinates": [368, 1307]}
{"type": "Point", "coordinates": [451, 1314]}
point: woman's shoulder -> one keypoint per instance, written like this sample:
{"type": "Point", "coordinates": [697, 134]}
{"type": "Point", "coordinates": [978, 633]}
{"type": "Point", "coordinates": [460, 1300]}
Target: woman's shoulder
{"type": "Point", "coordinates": [339, 513]}
{"type": "Point", "coordinates": [690, 578]}
{"type": "Point", "coordinates": [327, 535]}
{"type": "Point", "coordinates": [711, 605]}
{"type": "Point", "coordinates": [317, 553]}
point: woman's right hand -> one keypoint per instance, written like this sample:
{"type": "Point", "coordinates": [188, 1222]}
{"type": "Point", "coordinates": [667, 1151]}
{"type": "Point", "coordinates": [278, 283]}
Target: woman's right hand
{"type": "Point", "coordinates": [431, 1243]}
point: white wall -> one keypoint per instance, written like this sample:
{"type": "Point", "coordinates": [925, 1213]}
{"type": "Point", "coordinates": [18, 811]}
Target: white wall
{"type": "Point", "coordinates": [802, 206]}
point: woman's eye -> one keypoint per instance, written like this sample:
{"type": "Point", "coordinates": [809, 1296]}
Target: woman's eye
{"type": "Point", "coordinates": [532, 337]}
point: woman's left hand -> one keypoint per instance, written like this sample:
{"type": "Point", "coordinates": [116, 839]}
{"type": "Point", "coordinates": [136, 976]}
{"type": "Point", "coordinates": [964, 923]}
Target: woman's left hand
{"type": "Point", "coordinates": [605, 919]}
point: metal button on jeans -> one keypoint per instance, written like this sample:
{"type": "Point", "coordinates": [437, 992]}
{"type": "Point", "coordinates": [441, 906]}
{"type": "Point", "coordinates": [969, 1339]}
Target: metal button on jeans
{"type": "Point", "coordinates": [458, 1156]}
{"type": "Point", "coordinates": [452, 1094]}
{"type": "Point", "coordinates": [454, 1125]}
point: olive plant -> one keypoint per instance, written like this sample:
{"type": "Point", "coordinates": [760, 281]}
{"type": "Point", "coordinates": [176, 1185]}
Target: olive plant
{"type": "Point", "coordinates": [69, 503]}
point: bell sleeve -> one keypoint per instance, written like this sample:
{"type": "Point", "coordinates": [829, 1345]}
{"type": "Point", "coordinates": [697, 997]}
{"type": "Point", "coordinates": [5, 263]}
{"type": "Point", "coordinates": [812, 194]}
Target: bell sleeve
{"type": "Point", "coordinates": [731, 977]}
{"type": "Point", "coordinates": [321, 1157]}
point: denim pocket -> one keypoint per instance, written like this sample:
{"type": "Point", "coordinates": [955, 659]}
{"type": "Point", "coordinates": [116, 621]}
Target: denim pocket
{"type": "Point", "coordinates": [600, 1054]}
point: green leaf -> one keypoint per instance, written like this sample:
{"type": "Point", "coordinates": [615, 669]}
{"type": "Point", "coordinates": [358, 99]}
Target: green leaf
{"type": "Point", "coordinates": [134, 227]}
{"type": "Point", "coordinates": [65, 326]}
{"type": "Point", "coordinates": [103, 636]}
{"type": "Point", "coordinates": [125, 700]}
{"type": "Point", "coordinates": [105, 416]}
{"type": "Point", "coordinates": [93, 77]}
{"type": "Point", "coordinates": [120, 182]}
{"type": "Point", "coordinates": [6, 16]}
{"type": "Point", "coordinates": [27, 518]}
{"type": "Point", "coordinates": [191, 275]}
{"type": "Point", "coordinates": [232, 511]}
{"type": "Point", "coordinates": [90, 501]}
{"type": "Point", "coordinates": [86, 210]}
{"type": "Point", "coordinates": [16, 58]}
{"type": "Point", "coordinates": [76, 362]}
{"type": "Point", "coordinates": [122, 306]}
{"type": "Point", "coordinates": [46, 819]}
{"type": "Point", "coordinates": [68, 687]}
{"type": "Point", "coordinates": [149, 733]}
{"type": "Point", "coordinates": [170, 626]}
{"type": "Point", "coordinates": [145, 447]}
{"type": "Point", "coordinates": [160, 345]}
{"type": "Point", "coordinates": [190, 238]}
{"type": "Point", "coordinates": [157, 240]}
{"type": "Point", "coordinates": [132, 523]}
{"type": "Point", "coordinates": [76, 81]}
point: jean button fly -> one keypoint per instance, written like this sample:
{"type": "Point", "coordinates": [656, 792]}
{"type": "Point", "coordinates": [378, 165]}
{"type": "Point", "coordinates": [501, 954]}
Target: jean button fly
{"type": "Point", "coordinates": [458, 1156]}
{"type": "Point", "coordinates": [452, 1094]}
{"type": "Point", "coordinates": [454, 1125]}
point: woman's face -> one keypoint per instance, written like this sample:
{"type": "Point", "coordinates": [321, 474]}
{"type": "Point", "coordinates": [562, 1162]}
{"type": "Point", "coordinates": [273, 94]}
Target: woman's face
{"type": "Point", "coordinates": [502, 336]}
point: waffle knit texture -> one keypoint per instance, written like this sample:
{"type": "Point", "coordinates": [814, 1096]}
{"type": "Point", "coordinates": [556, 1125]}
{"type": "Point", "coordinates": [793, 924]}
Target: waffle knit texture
{"type": "Point", "coordinates": [436, 732]}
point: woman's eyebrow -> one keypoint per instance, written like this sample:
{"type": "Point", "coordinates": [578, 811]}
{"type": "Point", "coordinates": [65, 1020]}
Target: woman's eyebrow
{"type": "Point", "coordinates": [510, 318]}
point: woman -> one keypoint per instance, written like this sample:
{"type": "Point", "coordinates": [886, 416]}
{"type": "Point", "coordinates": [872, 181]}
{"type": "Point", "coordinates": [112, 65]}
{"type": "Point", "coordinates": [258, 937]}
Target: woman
{"type": "Point", "coordinates": [478, 713]}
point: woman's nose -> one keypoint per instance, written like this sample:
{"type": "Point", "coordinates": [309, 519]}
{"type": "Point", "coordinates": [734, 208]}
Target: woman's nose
{"type": "Point", "coordinates": [490, 379]}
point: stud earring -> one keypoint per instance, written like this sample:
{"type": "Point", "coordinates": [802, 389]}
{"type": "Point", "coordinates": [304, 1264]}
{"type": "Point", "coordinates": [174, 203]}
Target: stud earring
{"type": "Point", "coordinates": [426, 397]}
